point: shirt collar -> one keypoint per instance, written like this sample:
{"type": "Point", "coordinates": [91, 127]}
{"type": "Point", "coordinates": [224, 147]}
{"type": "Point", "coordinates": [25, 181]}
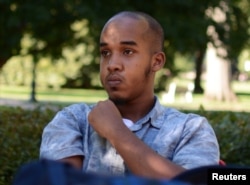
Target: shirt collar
{"type": "Point", "coordinates": [153, 117]}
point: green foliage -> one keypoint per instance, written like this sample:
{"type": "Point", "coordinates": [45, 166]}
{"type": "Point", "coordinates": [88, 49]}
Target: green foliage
{"type": "Point", "coordinates": [20, 136]}
{"type": "Point", "coordinates": [51, 25]}
{"type": "Point", "coordinates": [232, 130]}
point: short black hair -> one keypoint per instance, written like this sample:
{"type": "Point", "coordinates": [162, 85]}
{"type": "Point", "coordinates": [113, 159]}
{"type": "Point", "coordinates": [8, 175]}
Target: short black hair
{"type": "Point", "coordinates": [154, 25]}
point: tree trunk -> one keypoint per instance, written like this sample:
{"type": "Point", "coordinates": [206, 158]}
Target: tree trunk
{"type": "Point", "coordinates": [198, 70]}
{"type": "Point", "coordinates": [218, 86]}
{"type": "Point", "coordinates": [33, 82]}
{"type": "Point", "coordinates": [2, 62]}
{"type": "Point", "coordinates": [218, 77]}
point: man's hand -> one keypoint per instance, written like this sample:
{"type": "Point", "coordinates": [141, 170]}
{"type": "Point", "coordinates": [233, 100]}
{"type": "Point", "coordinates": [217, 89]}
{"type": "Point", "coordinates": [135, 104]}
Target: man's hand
{"type": "Point", "coordinates": [106, 119]}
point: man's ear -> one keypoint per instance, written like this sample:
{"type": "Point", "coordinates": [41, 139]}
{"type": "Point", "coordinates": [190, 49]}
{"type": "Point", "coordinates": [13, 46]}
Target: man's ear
{"type": "Point", "coordinates": [158, 61]}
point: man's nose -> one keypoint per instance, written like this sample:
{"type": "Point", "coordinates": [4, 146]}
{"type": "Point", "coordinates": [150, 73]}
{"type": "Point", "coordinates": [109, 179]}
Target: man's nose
{"type": "Point", "coordinates": [114, 63]}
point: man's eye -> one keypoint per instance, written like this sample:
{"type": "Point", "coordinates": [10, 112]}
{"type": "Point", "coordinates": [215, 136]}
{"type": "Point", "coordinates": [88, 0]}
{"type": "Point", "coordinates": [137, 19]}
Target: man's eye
{"type": "Point", "coordinates": [128, 52]}
{"type": "Point", "coordinates": [105, 53]}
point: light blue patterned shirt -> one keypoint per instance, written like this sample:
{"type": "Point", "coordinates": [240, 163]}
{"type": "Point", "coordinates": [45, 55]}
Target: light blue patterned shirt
{"type": "Point", "coordinates": [185, 139]}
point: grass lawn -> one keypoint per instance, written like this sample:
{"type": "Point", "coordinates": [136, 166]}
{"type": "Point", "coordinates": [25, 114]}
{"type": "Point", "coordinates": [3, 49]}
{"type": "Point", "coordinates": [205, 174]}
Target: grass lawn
{"type": "Point", "coordinates": [242, 90]}
{"type": "Point", "coordinates": [50, 96]}
{"type": "Point", "coordinates": [68, 96]}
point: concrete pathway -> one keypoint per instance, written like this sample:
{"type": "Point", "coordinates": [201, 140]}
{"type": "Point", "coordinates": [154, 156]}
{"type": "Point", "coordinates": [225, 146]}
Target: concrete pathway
{"type": "Point", "coordinates": [26, 104]}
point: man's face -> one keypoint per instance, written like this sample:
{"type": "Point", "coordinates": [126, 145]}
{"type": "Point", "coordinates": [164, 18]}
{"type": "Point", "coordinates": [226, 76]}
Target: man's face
{"type": "Point", "coordinates": [125, 64]}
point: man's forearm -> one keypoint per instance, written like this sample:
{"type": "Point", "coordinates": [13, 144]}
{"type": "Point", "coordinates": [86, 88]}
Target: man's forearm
{"type": "Point", "coordinates": [141, 159]}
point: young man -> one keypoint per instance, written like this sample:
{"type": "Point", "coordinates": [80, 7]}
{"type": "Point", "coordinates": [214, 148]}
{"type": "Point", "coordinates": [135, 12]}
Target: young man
{"type": "Point", "coordinates": [130, 132]}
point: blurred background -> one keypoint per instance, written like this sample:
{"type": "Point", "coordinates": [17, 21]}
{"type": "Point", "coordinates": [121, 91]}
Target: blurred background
{"type": "Point", "coordinates": [49, 58]}
{"type": "Point", "coordinates": [49, 50]}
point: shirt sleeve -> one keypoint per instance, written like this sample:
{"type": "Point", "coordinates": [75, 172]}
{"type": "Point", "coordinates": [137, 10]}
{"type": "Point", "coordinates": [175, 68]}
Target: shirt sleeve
{"type": "Point", "coordinates": [62, 137]}
{"type": "Point", "coordinates": [198, 145]}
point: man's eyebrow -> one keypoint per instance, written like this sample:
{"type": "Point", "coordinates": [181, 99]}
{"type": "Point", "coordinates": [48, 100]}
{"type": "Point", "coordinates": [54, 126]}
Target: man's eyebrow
{"type": "Point", "coordinates": [102, 44]}
{"type": "Point", "coordinates": [131, 43]}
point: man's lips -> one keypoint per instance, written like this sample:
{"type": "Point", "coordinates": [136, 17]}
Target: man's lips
{"type": "Point", "coordinates": [114, 80]}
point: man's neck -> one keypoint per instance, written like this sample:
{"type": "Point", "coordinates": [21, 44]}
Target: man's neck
{"type": "Point", "coordinates": [136, 110]}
